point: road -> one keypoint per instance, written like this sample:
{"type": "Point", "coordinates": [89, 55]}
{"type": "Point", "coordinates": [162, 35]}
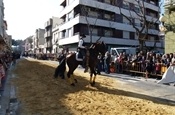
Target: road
{"type": "Point", "coordinates": [139, 85]}
{"type": "Point", "coordinates": [147, 87]}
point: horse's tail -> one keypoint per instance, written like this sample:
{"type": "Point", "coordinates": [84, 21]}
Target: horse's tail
{"type": "Point", "coordinates": [61, 68]}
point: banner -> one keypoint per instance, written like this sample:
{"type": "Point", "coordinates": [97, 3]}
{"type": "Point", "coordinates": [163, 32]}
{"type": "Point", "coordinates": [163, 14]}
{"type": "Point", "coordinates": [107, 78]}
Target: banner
{"type": "Point", "coordinates": [168, 76]}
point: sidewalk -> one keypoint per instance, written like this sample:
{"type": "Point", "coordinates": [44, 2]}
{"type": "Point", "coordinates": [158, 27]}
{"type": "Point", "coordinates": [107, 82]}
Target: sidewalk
{"type": "Point", "coordinates": [5, 95]}
{"type": "Point", "coordinates": [8, 101]}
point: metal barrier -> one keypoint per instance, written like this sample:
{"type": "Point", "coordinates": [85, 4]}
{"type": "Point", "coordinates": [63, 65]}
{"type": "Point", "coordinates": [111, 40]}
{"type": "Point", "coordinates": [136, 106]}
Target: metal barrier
{"type": "Point", "coordinates": [137, 67]}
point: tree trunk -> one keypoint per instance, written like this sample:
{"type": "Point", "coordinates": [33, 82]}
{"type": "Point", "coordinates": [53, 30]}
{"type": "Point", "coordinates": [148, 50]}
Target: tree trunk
{"type": "Point", "coordinates": [90, 37]}
{"type": "Point", "coordinates": [141, 45]}
{"type": "Point", "coordinates": [155, 42]}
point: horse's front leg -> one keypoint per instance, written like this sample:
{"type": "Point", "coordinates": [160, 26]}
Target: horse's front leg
{"type": "Point", "coordinates": [94, 77]}
{"type": "Point", "coordinates": [91, 74]}
{"type": "Point", "coordinates": [74, 78]}
{"type": "Point", "coordinates": [69, 79]}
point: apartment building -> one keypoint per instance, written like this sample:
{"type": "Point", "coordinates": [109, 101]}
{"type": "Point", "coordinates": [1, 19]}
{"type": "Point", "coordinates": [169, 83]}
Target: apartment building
{"type": "Point", "coordinates": [105, 21]}
{"type": "Point", "coordinates": [56, 37]}
{"type": "Point", "coordinates": [9, 42]}
{"type": "Point", "coordinates": [4, 38]}
{"type": "Point", "coordinates": [169, 22]}
{"type": "Point", "coordinates": [2, 29]}
{"type": "Point", "coordinates": [48, 33]}
{"type": "Point", "coordinates": [28, 46]}
{"type": "Point", "coordinates": [39, 40]}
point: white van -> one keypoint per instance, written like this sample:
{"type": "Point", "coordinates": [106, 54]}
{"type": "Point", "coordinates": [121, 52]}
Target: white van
{"type": "Point", "coordinates": [115, 52]}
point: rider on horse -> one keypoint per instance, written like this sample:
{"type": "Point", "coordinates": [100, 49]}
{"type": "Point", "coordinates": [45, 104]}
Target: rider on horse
{"type": "Point", "coordinates": [82, 50]}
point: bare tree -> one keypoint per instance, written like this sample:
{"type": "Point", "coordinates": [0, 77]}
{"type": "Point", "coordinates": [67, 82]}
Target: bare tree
{"type": "Point", "coordinates": [168, 21]}
{"type": "Point", "coordinates": [92, 18]}
{"type": "Point", "coordinates": [146, 22]}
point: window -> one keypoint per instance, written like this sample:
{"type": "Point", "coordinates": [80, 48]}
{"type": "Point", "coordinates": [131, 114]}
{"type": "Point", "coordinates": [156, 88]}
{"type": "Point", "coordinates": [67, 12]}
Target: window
{"type": "Point", "coordinates": [137, 22]}
{"type": "Point", "coordinates": [63, 33]}
{"type": "Point", "coordinates": [107, 16]}
{"type": "Point", "coordinates": [126, 34]}
{"type": "Point", "coordinates": [108, 33]}
{"type": "Point", "coordinates": [125, 20]}
{"type": "Point", "coordinates": [95, 32]}
{"type": "Point", "coordinates": [136, 9]}
{"type": "Point", "coordinates": [70, 15]}
{"type": "Point", "coordinates": [69, 32]}
{"type": "Point", "coordinates": [131, 5]}
{"type": "Point", "coordinates": [118, 18]}
{"type": "Point", "coordinates": [114, 52]}
{"type": "Point", "coordinates": [125, 5]}
{"type": "Point", "coordinates": [152, 26]}
{"type": "Point", "coordinates": [132, 35]}
{"type": "Point", "coordinates": [152, 14]}
{"type": "Point", "coordinates": [93, 13]}
{"type": "Point", "coordinates": [118, 33]}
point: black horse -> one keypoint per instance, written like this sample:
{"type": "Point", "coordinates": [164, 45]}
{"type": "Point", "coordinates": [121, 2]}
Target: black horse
{"type": "Point", "coordinates": [72, 63]}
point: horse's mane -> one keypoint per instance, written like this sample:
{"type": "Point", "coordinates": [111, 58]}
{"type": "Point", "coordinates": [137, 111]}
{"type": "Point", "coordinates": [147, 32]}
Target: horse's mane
{"type": "Point", "coordinates": [94, 44]}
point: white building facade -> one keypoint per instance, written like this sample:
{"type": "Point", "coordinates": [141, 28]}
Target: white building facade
{"type": "Point", "coordinates": [49, 25]}
{"type": "Point", "coordinates": [5, 42]}
{"type": "Point", "coordinates": [55, 39]}
{"type": "Point", "coordinates": [39, 40]}
{"type": "Point", "coordinates": [2, 29]}
{"type": "Point", "coordinates": [105, 17]}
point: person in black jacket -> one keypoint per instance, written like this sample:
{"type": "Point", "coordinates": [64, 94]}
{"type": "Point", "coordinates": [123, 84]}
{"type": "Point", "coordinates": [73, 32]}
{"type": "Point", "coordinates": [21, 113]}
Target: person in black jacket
{"type": "Point", "coordinates": [61, 56]}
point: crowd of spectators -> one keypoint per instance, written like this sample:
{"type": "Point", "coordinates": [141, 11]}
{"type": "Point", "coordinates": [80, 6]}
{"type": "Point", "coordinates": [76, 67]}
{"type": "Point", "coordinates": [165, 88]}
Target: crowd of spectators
{"type": "Point", "coordinates": [149, 62]}
{"type": "Point", "coordinates": [5, 60]}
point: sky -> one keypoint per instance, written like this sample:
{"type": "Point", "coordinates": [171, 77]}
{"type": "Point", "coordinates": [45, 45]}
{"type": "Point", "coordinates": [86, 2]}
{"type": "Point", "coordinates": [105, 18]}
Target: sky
{"type": "Point", "coordinates": [25, 16]}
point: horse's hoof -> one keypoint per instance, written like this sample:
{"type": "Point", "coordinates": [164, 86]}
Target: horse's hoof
{"type": "Point", "coordinates": [75, 80]}
{"type": "Point", "coordinates": [92, 84]}
{"type": "Point", "coordinates": [73, 84]}
{"type": "Point", "coordinates": [55, 77]}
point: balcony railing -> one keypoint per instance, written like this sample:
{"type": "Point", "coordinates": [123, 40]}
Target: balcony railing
{"type": "Point", "coordinates": [48, 23]}
{"type": "Point", "coordinates": [47, 34]}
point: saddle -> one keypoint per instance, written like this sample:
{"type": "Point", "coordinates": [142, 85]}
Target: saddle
{"type": "Point", "coordinates": [79, 56]}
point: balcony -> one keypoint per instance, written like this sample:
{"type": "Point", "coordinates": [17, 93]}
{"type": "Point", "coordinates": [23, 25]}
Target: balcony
{"type": "Point", "coordinates": [48, 23]}
{"type": "Point", "coordinates": [48, 44]}
{"type": "Point", "coordinates": [45, 45]}
{"type": "Point", "coordinates": [47, 34]}
{"type": "Point", "coordinates": [169, 3]}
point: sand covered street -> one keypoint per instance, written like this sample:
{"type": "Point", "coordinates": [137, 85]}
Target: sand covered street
{"type": "Point", "coordinates": [41, 94]}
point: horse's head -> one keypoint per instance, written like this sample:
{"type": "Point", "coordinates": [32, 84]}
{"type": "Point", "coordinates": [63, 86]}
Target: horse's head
{"type": "Point", "coordinates": [99, 47]}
